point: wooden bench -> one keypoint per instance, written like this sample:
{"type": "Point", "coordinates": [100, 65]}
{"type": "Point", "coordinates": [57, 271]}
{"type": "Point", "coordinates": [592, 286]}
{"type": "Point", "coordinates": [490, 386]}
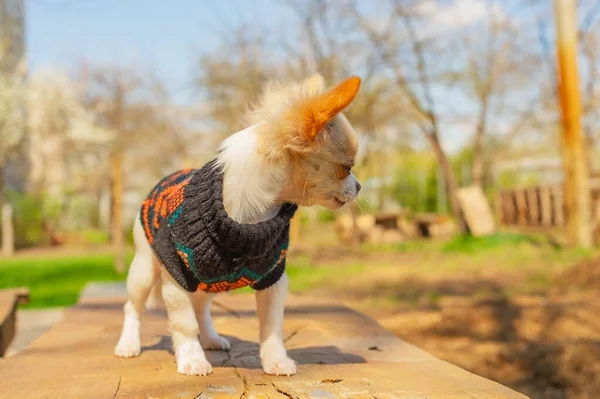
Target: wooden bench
{"type": "Point", "coordinates": [9, 299]}
{"type": "Point", "coordinates": [341, 354]}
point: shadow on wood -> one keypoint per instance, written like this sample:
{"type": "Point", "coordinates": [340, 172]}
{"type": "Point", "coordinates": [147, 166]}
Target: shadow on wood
{"type": "Point", "coordinates": [341, 354]}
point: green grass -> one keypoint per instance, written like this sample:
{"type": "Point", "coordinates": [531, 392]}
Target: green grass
{"type": "Point", "coordinates": [304, 277]}
{"type": "Point", "coordinates": [469, 244]}
{"type": "Point", "coordinates": [95, 237]}
{"type": "Point", "coordinates": [56, 280]}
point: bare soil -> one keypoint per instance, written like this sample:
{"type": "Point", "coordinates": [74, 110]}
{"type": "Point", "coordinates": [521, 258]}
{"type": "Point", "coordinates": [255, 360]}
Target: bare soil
{"type": "Point", "coordinates": [546, 346]}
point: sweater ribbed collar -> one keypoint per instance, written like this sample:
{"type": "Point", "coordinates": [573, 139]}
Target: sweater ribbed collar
{"type": "Point", "coordinates": [250, 241]}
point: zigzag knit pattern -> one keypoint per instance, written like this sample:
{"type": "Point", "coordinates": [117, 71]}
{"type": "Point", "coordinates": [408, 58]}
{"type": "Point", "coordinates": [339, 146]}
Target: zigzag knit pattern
{"type": "Point", "coordinates": [201, 246]}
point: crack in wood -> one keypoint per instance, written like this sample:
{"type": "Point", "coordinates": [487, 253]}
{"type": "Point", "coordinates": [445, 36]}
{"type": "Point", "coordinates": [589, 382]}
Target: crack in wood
{"type": "Point", "coordinates": [227, 309]}
{"type": "Point", "coordinates": [118, 387]}
{"type": "Point", "coordinates": [292, 335]}
{"type": "Point", "coordinates": [331, 380]}
{"type": "Point", "coordinates": [228, 360]}
{"type": "Point", "coordinates": [281, 391]}
{"type": "Point", "coordinates": [246, 392]}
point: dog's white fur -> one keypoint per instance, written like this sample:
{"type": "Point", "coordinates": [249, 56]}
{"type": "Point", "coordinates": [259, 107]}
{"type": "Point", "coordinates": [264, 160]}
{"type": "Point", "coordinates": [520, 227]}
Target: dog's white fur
{"type": "Point", "coordinates": [251, 187]}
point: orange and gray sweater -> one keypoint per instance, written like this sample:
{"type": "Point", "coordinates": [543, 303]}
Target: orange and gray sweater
{"type": "Point", "coordinates": [201, 246]}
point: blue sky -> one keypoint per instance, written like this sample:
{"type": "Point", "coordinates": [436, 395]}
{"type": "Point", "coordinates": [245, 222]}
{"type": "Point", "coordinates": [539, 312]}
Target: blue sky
{"type": "Point", "coordinates": [165, 37]}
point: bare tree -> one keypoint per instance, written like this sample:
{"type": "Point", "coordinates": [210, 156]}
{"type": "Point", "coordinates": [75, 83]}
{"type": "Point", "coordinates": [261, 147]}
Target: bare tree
{"type": "Point", "coordinates": [132, 107]}
{"type": "Point", "coordinates": [498, 67]}
{"type": "Point", "coordinates": [59, 128]}
{"type": "Point", "coordinates": [404, 54]}
{"type": "Point", "coordinates": [12, 119]}
{"type": "Point", "coordinates": [232, 78]}
{"type": "Point", "coordinates": [590, 40]}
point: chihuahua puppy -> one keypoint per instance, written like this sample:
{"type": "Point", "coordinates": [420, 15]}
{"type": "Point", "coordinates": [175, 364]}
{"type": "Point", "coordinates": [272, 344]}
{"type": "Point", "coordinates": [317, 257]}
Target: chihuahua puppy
{"type": "Point", "coordinates": [226, 225]}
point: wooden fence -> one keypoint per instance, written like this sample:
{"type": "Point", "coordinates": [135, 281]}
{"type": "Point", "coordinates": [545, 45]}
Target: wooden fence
{"type": "Point", "coordinates": [542, 206]}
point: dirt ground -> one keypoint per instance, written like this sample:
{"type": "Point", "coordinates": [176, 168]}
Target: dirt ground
{"type": "Point", "coordinates": [546, 346]}
{"type": "Point", "coordinates": [526, 317]}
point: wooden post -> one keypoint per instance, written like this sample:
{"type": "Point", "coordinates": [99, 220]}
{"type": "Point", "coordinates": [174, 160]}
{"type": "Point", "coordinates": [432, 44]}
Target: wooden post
{"type": "Point", "coordinates": [8, 233]}
{"type": "Point", "coordinates": [577, 193]}
{"type": "Point", "coordinates": [533, 206]}
{"type": "Point", "coordinates": [521, 201]}
{"type": "Point", "coordinates": [546, 206]}
{"type": "Point", "coordinates": [511, 207]}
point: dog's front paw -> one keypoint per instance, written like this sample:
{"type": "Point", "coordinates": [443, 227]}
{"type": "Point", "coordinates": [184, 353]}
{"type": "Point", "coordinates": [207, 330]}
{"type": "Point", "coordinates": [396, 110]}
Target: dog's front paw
{"type": "Point", "coordinates": [214, 342]}
{"type": "Point", "coordinates": [194, 366]}
{"type": "Point", "coordinates": [281, 366]}
{"type": "Point", "coordinates": [128, 347]}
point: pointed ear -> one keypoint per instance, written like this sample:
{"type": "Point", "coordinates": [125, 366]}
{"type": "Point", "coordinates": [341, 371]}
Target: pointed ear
{"type": "Point", "coordinates": [322, 109]}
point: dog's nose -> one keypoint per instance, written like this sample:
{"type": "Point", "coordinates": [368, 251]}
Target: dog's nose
{"type": "Point", "coordinates": [358, 187]}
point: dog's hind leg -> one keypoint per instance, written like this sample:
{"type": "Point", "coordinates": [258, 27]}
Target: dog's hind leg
{"type": "Point", "coordinates": [270, 305]}
{"type": "Point", "coordinates": [190, 357]}
{"type": "Point", "coordinates": [155, 298]}
{"type": "Point", "coordinates": [142, 275]}
{"type": "Point", "coordinates": [209, 338]}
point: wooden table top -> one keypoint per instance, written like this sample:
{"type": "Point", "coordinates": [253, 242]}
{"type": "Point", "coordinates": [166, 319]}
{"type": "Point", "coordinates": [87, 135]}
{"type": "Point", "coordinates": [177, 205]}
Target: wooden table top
{"type": "Point", "coordinates": [341, 354]}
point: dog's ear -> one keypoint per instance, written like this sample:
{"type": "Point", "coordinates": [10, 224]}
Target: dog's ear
{"type": "Point", "coordinates": [320, 110]}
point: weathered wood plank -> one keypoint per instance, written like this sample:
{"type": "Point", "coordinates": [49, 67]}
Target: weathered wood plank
{"type": "Point", "coordinates": [477, 211]}
{"type": "Point", "coordinates": [533, 206]}
{"type": "Point", "coordinates": [341, 354]}
{"type": "Point", "coordinates": [521, 202]}
{"type": "Point", "coordinates": [509, 208]}
{"type": "Point", "coordinates": [546, 206]}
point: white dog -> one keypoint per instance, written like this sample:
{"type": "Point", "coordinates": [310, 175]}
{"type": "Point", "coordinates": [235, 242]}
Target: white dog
{"type": "Point", "coordinates": [226, 225]}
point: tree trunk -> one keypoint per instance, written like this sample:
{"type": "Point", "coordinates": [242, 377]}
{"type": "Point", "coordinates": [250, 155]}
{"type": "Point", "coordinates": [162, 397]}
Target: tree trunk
{"type": "Point", "coordinates": [477, 168]}
{"type": "Point", "coordinates": [448, 176]}
{"type": "Point", "coordinates": [94, 210]}
{"type": "Point", "coordinates": [8, 232]}
{"type": "Point", "coordinates": [1, 185]}
{"type": "Point", "coordinates": [8, 242]}
{"type": "Point", "coordinates": [116, 209]}
{"type": "Point", "coordinates": [577, 189]}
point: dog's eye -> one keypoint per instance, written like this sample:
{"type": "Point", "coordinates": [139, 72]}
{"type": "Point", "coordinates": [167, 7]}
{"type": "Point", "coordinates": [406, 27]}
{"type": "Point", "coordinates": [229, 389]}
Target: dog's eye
{"type": "Point", "coordinates": [345, 171]}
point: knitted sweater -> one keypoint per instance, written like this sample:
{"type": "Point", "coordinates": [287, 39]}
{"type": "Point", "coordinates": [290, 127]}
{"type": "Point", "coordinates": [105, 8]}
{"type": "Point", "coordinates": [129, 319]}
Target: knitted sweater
{"type": "Point", "coordinates": [201, 246]}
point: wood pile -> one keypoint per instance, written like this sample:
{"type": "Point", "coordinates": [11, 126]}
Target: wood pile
{"type": "Point", "coordinates": [392, 227]}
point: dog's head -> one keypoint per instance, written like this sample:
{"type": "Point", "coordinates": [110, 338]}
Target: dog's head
{"type": "Point", "coordinates": [301, 127]}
